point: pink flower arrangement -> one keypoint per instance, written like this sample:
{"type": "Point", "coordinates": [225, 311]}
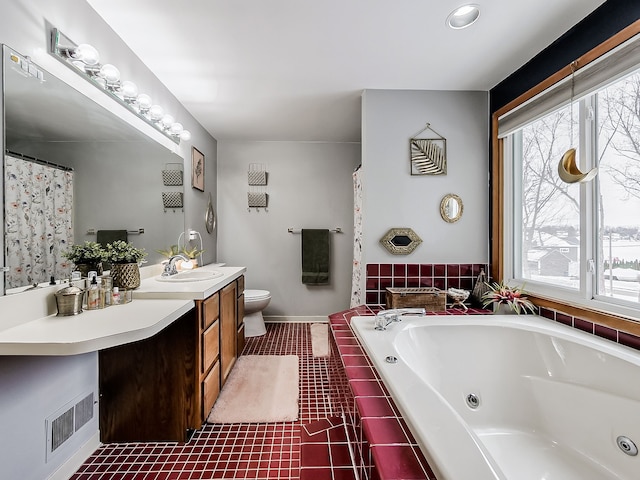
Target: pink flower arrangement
{"type": "Point", "coordinates": [502, 294]}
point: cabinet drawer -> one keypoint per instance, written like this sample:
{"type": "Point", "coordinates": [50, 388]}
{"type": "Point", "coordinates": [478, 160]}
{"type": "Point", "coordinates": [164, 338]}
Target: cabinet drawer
{"type": "Point", "coordinates": [210, 346]}
{"type": "Point", "coordinates": [210, 310]}
{"type": "Point", "coordinates": [210, 390]}
{"type": "Point", "coordinates": [240, 285]}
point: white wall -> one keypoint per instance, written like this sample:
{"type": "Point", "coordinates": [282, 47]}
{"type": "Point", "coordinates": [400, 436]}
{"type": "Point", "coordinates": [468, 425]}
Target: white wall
{"type": "Point", "coordinates": [26, 399]}
{"type": "Point", "coordinates": [310, 186]}
{"type": "Point", "coordinates": [32, 388]}
{"type": "Point", "coordinates": [393, 198]}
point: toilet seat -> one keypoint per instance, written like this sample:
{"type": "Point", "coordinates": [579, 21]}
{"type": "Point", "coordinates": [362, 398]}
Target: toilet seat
{"type": "Point", "coordinates": [256, 294]}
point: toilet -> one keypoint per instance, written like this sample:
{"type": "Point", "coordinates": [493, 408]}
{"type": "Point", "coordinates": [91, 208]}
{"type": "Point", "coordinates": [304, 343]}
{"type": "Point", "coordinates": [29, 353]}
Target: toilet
{"type": "Point", "coordinates": [254, 302]}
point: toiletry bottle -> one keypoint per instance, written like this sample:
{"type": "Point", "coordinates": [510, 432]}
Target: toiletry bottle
{"type": "Point", "coordinates": [107, 286]}
{"type": "Point", "coordinates": [115, 298]}
{"type": "Point", "coordinates": [93, 295]}
{"type": "Point", "coordinates": [101, 300]}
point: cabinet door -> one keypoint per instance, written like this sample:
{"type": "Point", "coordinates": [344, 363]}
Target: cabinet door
{"type": "Point", "coordinates": [228, 328]}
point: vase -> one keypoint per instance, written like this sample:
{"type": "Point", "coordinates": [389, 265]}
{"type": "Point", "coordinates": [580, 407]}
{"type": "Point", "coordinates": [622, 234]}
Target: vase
{"type": "Point", "coordinates": [502, 309]}
{"type": "Point", "coordinates": [85, 268]}
{"type": "Point", "coordinates": [125, 275]}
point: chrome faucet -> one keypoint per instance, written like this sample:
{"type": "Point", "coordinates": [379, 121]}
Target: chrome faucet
{"type": "Point", "coordinates": [385, 317]}
{"type": "Point", "coordinates": [170, 267]}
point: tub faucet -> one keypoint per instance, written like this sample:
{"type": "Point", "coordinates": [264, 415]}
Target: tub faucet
{"type": "Point", "coordinates": [170, 267]}
{"type": "Point", "coordinates": [385, 317]}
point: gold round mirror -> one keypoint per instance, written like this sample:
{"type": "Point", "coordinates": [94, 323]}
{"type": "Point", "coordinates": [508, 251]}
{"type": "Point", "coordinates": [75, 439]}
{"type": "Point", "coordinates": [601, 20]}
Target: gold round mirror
{"type": "Point", "coordinates": [451, 208]}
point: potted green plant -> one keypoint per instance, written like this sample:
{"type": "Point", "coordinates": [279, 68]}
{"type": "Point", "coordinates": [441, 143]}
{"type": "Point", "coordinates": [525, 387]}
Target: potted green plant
{"type": "Point", "coordinates": [169, 252]}
{"type": "Point", "coordinates": [505, 299]}
{"type": "Point", "coordinates": [125, 262]}
{"type": "Point", "coordinates": [192, 254]}
{"type": "Point", "coordinates": [86, 257]}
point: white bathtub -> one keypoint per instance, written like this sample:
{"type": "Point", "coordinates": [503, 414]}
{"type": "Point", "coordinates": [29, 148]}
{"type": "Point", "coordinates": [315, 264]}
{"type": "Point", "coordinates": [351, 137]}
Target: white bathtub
{"type": "Point", "coordinates": [552, 400]}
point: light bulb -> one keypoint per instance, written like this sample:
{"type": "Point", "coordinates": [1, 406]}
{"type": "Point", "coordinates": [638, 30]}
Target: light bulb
{"type": "Point", "coordinates": [185, 135]}
{"type": "Point", "coordinates": [176, 129]}
{"type": "Point", "coordinates": [86, 54]}
{"type": "Point", "coordinates": [155, 112]}
{"type": "Point", "coordinates": [144, 102]}
{"type": "Point", "coordinates": [167, 120]}
{"type": "Point", "coordinates": [110, 73]}
{"type": "Point", "coordinates": [129, 90]}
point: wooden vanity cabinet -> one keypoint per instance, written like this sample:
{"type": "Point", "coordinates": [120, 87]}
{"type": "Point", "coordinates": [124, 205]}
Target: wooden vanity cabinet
{"type": "Point", "coordinates": [148, 388]}
{"type": "Point", "coordinates": [220, 342]}
{"type": "Point", "coordinates": [163, 388]}
{"type": "Point", "coordinates": [208, 347]}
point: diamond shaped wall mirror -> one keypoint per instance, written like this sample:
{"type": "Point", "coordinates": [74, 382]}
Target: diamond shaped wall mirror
{"type": "Point", "coordinates": [400, 241]}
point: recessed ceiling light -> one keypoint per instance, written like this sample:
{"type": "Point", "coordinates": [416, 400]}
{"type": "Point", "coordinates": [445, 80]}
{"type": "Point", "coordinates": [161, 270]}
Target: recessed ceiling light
{"type": "Point", "coordinates": [463, 16]}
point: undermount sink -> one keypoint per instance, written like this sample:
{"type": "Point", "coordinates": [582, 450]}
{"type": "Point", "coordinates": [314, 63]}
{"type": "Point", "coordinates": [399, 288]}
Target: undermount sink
{"type": "Point", "coordinates": [191, 276]}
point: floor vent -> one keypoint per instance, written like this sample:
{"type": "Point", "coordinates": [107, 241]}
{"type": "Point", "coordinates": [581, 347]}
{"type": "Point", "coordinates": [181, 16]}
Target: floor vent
{"type": "Point", "coordinates": [63, 424]}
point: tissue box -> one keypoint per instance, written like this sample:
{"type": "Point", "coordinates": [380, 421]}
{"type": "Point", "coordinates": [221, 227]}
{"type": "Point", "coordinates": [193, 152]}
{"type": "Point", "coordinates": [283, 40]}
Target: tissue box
{"type": "Point", "coordinates": [430, 298]}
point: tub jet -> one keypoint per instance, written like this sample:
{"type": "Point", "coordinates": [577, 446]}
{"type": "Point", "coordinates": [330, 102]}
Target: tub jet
{"type": "Point", "coordinates": [627, 446]}
{"type": "Point", "coordinates": [473, 401]}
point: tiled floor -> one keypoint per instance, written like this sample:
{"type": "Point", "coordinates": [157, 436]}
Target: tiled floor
{"type": "Point", "coordinates": [314, 447]}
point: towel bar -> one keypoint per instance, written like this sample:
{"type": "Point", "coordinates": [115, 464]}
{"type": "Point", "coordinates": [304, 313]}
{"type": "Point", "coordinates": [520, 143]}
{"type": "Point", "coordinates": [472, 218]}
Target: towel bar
{"type": "Point", "coordinates": [139, 231]}
{"type": "Point", "coordinates": [292, 230]}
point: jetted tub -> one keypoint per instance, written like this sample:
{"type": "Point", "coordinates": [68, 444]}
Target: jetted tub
{"type": "Point", "coordinates": [511, 397]}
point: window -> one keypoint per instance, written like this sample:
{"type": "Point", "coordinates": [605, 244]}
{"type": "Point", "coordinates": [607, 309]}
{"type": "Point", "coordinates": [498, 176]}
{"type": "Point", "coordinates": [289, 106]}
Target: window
{"type": "Point", "coordinates": [618, 214]}
{"type": "Point", "coordinates": [577, 242]}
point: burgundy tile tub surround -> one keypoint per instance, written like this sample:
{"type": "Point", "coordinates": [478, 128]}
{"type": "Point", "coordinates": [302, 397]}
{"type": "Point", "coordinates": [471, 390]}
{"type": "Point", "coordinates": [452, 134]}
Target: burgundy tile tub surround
{"type": "Point", "coordinates": [380, 276]}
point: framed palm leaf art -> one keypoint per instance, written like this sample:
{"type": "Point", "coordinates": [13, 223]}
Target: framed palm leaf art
{"type": "Point", "coordinates": [428, 154]}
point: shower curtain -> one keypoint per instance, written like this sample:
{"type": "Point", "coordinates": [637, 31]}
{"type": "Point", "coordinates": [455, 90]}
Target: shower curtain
{"type": "Point", "coordinates": [38, 221]}
{"type": "Point", "coordinates": [356, 282]}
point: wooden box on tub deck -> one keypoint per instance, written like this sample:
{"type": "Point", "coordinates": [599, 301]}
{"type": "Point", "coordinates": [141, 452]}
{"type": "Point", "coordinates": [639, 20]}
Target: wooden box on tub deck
{"type": "Point", "coordinates": [430, 298]}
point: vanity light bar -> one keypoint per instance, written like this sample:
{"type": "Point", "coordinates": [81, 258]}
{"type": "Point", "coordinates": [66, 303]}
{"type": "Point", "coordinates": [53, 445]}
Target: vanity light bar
{"type": "Point", "coordinates": [84, 59]}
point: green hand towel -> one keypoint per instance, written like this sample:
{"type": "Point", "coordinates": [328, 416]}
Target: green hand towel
{"type": "Point", "coordinates": [315, 256]}
{"type": "Point", "coordinates": [109, 236]}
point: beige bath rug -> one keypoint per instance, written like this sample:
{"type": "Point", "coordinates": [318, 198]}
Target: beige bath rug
{"type": "Point", "coordinates": [260, 388]}
{"type": "Point", "coordinates": [320, 339]}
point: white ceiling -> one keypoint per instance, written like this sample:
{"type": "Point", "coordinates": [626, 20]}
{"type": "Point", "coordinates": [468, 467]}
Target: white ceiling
{"type": "Point", "coordinates": [295, 69]}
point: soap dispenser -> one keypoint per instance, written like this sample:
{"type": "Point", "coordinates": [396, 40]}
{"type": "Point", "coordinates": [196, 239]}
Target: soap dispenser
{"type": "Point", "coordinates": [93, 294]}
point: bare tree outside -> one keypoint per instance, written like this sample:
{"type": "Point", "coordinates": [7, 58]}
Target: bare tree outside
{"type": "Point", "coordinates": [550, 209]}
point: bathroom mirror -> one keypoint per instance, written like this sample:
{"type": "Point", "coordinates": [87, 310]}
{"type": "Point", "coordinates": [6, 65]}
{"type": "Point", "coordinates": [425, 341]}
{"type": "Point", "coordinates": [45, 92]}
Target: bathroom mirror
{"type": "Point", "coordinates": [451, 208]}
{"type": "Point", "coordinates": [117, 170]}
{"type": "Point", "coordinates": [400, 241]}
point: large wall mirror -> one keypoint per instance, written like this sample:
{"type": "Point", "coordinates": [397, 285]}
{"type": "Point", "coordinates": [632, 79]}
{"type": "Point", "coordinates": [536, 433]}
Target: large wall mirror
{"type": "Point", "coordinates": [115, 184]}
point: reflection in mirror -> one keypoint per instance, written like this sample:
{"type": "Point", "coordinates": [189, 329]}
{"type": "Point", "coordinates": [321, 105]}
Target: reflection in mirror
{"type": "Point", "coordinates": [451, 208]}
{"type": "Point", "coordinates": [72, 168]}
{"type": "Point", "coordinates": [400, 241]}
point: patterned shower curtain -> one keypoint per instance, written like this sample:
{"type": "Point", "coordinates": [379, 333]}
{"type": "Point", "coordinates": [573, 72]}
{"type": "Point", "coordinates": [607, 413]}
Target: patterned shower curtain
{"type": "Point", "coordinates": [356, 282]}
{"type": "Point", "coordinates": [38, 221]}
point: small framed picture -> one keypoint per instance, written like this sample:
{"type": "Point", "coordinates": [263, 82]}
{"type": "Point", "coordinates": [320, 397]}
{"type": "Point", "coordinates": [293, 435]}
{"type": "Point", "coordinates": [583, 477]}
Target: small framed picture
{"type": "Point", "coordinates": [197, 169]}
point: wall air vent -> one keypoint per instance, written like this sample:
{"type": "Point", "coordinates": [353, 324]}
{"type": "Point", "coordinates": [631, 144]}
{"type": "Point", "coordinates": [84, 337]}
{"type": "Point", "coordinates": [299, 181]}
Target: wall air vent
{"type": "Point", "coordinates": [66, 421]}
{"type": "Point", "coordinates": [61, 429]}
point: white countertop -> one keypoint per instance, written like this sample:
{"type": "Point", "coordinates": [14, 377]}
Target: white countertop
{"type": "Point", "coordinates": [153, 288]}
{"type": "Point", "coordinates": [155, 305]}
{"type": "Point", "coordinates": [92, 330]}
